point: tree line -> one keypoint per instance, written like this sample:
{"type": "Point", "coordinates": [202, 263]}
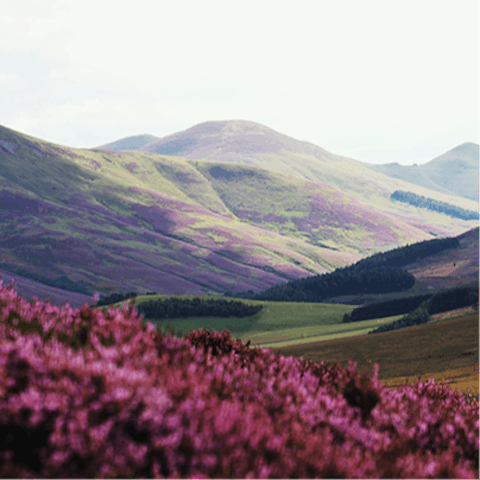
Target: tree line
{"type": "Point", "coordinates": [439, 302]}
{"type": "Point", "coordinates": [174, 307]}
{"type": "Point", "coordinates": [451, 299]}
{"type": "Point", "coordinates": [379, 279]}
{"type": "Point", "coordinates": [388, 308]}
{"type": "Point", "coordinates": [118, 297]}
{"type": "Point", "coordinates": [402, 256]}
{"type": "Point", "coordinates": [343, 281]}
{"type": "Point", "coordinates": [379, 273]}
{"type": "Point", "coordinates": [435, 205]}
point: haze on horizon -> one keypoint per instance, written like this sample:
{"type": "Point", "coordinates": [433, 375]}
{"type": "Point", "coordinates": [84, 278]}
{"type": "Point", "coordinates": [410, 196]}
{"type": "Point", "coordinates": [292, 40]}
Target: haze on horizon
{"type": "Point", "coordinates": [375, 81]}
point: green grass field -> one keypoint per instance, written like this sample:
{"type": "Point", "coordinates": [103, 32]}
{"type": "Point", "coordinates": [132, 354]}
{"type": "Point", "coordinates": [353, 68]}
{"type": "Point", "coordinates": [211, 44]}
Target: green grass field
{"type": "Point", "coordinates": [285, 326]}
{"type": "Point", "coordinates": [279, 324]}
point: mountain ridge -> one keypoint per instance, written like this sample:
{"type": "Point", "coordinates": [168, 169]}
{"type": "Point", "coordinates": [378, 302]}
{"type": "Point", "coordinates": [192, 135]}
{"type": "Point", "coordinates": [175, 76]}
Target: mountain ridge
{"type": "Point", "coordinates": [251, 143]}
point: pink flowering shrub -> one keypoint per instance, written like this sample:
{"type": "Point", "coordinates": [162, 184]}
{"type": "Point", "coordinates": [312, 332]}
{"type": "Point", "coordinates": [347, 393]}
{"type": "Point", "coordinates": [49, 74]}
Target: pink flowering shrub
{"type": "Point", "coordinates": [95, 395]}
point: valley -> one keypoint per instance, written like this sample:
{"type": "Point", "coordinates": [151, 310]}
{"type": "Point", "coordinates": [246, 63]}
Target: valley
{"type": "Point", "coordinates": [444, 348]}
{"type": "Point", "coordinates": [222, 207]}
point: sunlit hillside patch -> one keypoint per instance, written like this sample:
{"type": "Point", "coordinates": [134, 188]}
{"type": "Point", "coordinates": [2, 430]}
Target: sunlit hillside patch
{"type": "Point", "coordinates": [299, 208]}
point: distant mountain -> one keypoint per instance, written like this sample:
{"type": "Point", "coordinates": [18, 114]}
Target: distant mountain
{"type": "Point", "coordinates": [455, 172]}
{"type": "Point", "coordinates": [250, 143]}
{"type": "Point", "coordinates": [89, 221]}
{"type": "Point", "coordinates": [129, 143]}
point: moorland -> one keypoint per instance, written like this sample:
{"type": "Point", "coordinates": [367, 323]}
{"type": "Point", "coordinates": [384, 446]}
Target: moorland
{"type": "Point", "coordinates": [316, 331]}
{"type": "Point", "coordinates": [111, 397]}
{"type": "Point", "coordinates": [243, 208]}
{"type": "Point", "coordinates": [454, 172]}
{"type": "Point", "coordinates": [222, 209]}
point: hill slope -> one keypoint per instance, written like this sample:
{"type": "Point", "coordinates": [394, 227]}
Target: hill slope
{"type": "Point", "coordinates": [250, 143]}
{"type": "Point", "coordinates": [86, 221]}
{"type": "Point", "coordinates": [455, 172]}
{"type": "Point", "coordinates": [129, 143]}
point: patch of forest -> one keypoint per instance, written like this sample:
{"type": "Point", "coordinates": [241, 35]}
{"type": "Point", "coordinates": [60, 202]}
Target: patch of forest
{"type": "Point", "coordinates": [435, 205]}
{"type": "Point", "coordinates": [118, 297]}
{"type": "Point", "coordinates": [444, 301]}
{"type": "Point", "coordinates": [343, 281]}
{"type": "Point", "coordinates": [389, 308]}
{"type": "Point", "coordinates": [175, 307]}
{"type": "Point", "coordinates": [439, 302]}
{"type": "Point", "coordinates": [379, 273]}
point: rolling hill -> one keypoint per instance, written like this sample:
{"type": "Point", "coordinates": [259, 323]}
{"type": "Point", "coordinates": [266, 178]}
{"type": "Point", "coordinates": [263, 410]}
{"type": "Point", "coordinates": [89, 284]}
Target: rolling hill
{"type": "Point", "coordinates": [250, 143]}
{"type": "Point", "coordinates": [130, 143]}
{"type": "Point", "coordinates": [399, 273]}
{"type": "Point", "coordinates": [87, 221]}
{"type": "Point", "coordinates": [455, 172]}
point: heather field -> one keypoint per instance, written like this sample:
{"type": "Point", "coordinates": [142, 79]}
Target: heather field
{"type": "Point", "coordinates": [93, 395]}
{"type": "Point", "coordinates": [290, 391]}
{"type": "Point", "coordinates": [315, 332]}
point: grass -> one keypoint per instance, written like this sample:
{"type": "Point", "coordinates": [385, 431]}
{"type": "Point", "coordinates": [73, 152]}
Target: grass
{"type": "Point", "coordinates": [284, 319]}
{"type": "Point", "coordinates": [441, 349]}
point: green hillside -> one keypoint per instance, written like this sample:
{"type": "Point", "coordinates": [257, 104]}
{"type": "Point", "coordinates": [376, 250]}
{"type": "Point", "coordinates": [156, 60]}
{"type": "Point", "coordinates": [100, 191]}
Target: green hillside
{"type": "Point", "coordinates": [277, 319]}
{"type": "Point", "coordinates": [90, 220]}
{"type": "Point", "coordinates": [278, 324]}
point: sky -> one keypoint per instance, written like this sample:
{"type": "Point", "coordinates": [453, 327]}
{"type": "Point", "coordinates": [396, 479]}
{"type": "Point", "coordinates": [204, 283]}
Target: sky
{"type": "Point", "coordinates": [374, 80]}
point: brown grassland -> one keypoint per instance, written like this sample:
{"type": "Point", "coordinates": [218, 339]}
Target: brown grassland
{"type": "Point", "coordinates": [443, 350]}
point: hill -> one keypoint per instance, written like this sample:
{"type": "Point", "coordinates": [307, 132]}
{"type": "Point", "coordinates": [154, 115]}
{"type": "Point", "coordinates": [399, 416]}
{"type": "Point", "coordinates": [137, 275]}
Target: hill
{"type": "Point", "coordinates": [129, 143]}
{"type": "Point", "coordinates": [72, 219]}
{"type": "Point", "coordinates": [250, 143]}
{"type": "Point", "coordinates": [454, 172]}
{"type": "Point", "coordinates": [388, 275]}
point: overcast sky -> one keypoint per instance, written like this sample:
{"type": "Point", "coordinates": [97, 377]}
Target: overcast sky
{"type": "Point", "coordinates": [378, 81]}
